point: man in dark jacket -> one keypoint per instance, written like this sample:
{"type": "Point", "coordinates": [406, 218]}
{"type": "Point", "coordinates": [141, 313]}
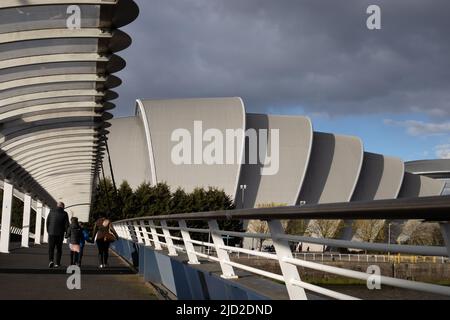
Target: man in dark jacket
{"type": "Point", "coordinates": [57, 224]}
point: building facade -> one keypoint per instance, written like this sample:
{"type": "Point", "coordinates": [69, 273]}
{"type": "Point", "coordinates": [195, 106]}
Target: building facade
{"type": "Point", "coordinates": [276, 160]}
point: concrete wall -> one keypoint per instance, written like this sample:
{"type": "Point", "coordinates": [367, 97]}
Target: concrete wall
{"type": "Point", "coordinates": [180, 279]}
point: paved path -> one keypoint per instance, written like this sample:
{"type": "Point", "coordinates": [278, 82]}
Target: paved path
{"type": "Point", "coordinates": [24, 275]}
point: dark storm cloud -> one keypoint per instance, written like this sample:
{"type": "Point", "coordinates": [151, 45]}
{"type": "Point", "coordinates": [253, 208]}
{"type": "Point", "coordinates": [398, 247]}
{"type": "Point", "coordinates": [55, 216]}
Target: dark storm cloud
{"type": "Point", "coordinates": [281, 54]}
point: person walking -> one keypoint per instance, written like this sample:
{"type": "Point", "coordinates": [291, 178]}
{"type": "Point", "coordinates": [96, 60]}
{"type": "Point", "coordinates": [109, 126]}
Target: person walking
{"type": "Point", "coordinates": [85, 238]}
{"type": "Point", "coordinates": [103, 235]}
{"type": "Point", "coordinates": [74, 235]}
{"type": "Point", "coordinates": [57, 224]}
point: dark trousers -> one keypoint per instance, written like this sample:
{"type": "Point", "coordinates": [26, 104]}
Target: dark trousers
{"type": "Point", "coordinates": [80, 255]}
{"type": "Point", "coordinates": [103, 251]}
{"type": "Point", "coordinates": [55, 242]}
{"type": "Point", "coordinates": [74, 258]}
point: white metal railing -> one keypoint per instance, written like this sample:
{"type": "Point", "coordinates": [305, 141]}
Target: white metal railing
{"type": "Point", "coordinates": [154, 232]}
{"type": "Point", "coordinates": [352, 257]}
{"type": "Point", "coordinates": [18, 231]}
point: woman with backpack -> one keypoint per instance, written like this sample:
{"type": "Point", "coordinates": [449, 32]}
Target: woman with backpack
{"type": "Point", "coordinates": [103, 235]}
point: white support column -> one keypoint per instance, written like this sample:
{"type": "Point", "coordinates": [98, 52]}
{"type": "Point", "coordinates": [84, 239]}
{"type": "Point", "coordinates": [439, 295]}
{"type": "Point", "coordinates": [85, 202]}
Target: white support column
{"type": "Point", "coordinates": [154, 236]}
{"type": "Point", "coordinates": [187, 243]}
{"type": "Point", "coordinates": [6, 217]}
{"type": "Point", "coordinates": [167, 237]}
{"type": "Point", "coordinates": [137, 230]}
{"type": "Point", "coordinates": [37, 232]}
{"type": "Point", "coordinates": [288, 270]}
{"type": "Point", "coordinates": [46, 212]}
{"type": "Point", "coordinates": [445, 229]}
{"type": "Point", "coordinates": [145, 234]}
{"type": "Point", "coordinates": [26, 221]}
{"type": "Point", "coordinates": [227, 270]}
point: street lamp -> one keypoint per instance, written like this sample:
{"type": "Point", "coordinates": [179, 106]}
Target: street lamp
{"type": "Point", "coordinates": [243, 187]}
{"type": "Point", "coordinates": [389, 240]}
{"type": "Point", "coordinates": [389, 233]}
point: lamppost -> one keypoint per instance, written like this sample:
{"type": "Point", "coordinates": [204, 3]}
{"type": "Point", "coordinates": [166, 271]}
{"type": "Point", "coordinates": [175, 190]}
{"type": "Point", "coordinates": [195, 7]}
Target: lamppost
{"type": "Point", "coordinates": [243, 187]}
{"type": "Point", "coordinates": [389, 240]}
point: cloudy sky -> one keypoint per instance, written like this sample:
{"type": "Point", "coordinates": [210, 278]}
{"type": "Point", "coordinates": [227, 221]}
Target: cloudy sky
{"type": "Point", "coordinates": [391, 87]}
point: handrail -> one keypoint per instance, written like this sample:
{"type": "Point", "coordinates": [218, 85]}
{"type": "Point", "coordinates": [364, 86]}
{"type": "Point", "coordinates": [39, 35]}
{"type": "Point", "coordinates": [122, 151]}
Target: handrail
{"type": "Point", "coordinates": [144, 231]}
{"type": "Point", "coordinates": [436, 208]}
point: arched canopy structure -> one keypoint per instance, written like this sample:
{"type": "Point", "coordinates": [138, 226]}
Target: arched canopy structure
{"type": "Point", "coordinates": [57, 58]}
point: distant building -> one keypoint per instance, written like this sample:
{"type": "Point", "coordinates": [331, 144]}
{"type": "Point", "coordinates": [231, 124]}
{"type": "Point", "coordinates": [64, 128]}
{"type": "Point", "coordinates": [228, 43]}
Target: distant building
{"type": "Point", "coordinates": [436, 169]}
{"type": "Point", "coordinates": [305, 166]}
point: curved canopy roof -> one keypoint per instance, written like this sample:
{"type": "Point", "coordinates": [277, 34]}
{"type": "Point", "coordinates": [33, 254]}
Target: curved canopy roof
{"type": "Point", "coordinates": [55, 84]}
{"type": "Point", "coordinates": [439, 168]}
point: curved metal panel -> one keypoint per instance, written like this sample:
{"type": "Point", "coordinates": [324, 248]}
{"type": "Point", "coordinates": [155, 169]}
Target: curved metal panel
{"type": "Point", "coordinates": [289, 160]}
{"type": "Point", "coordinates": [333, 170]}
{"type": "Point", "coordinates": [164, 117]}
{"type": "Point", "coordinates": [381, 178]}
{"type": "Point", "coordinates": [127, 147]}
{"type": "Point", "coordinates": [420, 186]}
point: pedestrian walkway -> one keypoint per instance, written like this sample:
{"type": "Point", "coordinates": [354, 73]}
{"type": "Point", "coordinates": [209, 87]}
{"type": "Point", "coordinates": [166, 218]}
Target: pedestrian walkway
{"type": "Point", "coordinates": [24, 274]}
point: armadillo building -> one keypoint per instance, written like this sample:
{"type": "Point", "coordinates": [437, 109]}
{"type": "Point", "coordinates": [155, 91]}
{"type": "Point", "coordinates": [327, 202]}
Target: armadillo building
{"type": "Point", "coordinates": [313, 167]}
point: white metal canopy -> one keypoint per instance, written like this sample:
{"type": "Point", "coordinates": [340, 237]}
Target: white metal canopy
{"type": "Point", "coordinates": [55, 86]}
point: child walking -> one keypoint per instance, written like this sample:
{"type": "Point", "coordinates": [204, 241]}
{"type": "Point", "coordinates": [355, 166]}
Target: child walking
{"type": "Point", "coordinates": [84, 237]}
{"type": "Point", "coordinates": [74, 234]}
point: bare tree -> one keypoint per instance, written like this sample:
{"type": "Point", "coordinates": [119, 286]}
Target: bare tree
{"type": "Point", "coordinates": [258, 226]}
{"type": "Point", "coordinates": [367, 230]}
{"type": "Point", "coordinates": [324, 228]}
{"type": "Point", "coordinates": [296, 227]}
{"type": "Point", "coordinates": [426, 234]}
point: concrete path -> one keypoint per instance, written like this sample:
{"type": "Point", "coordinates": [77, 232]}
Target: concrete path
{"type": "Point", "coordinates": [24, 274]}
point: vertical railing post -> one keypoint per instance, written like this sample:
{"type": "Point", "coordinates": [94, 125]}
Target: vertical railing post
{"type": "Point", "coordinates": [147, 241]}
{"type": "Point", "coordinates": [190, 250]}
{"type": "Point", "coordinates": [118, 228]}
{"type": "Point", "coordinates": [46, 212]}
{"type": "Point", "coordinates": [154, 236]}
{"type": "Point", "coordinates": [130, 231]}
{"type": "Point", "coordinates": [26, 221]}
{"type": "Point", "coordinates": [283, 251]}
{"type": "Point", "coordinates": [37, 233]}
{"type": "Point", "coordinates": [227, 270]}
{"type": "Point", "coordinates": [137, 230]}
{"type": "Point", "coordinates": [168, 239]}
{"type": "Point", "coordinates": [124, 234]}
{"type": "Point", "coordinates": [8, 190]}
